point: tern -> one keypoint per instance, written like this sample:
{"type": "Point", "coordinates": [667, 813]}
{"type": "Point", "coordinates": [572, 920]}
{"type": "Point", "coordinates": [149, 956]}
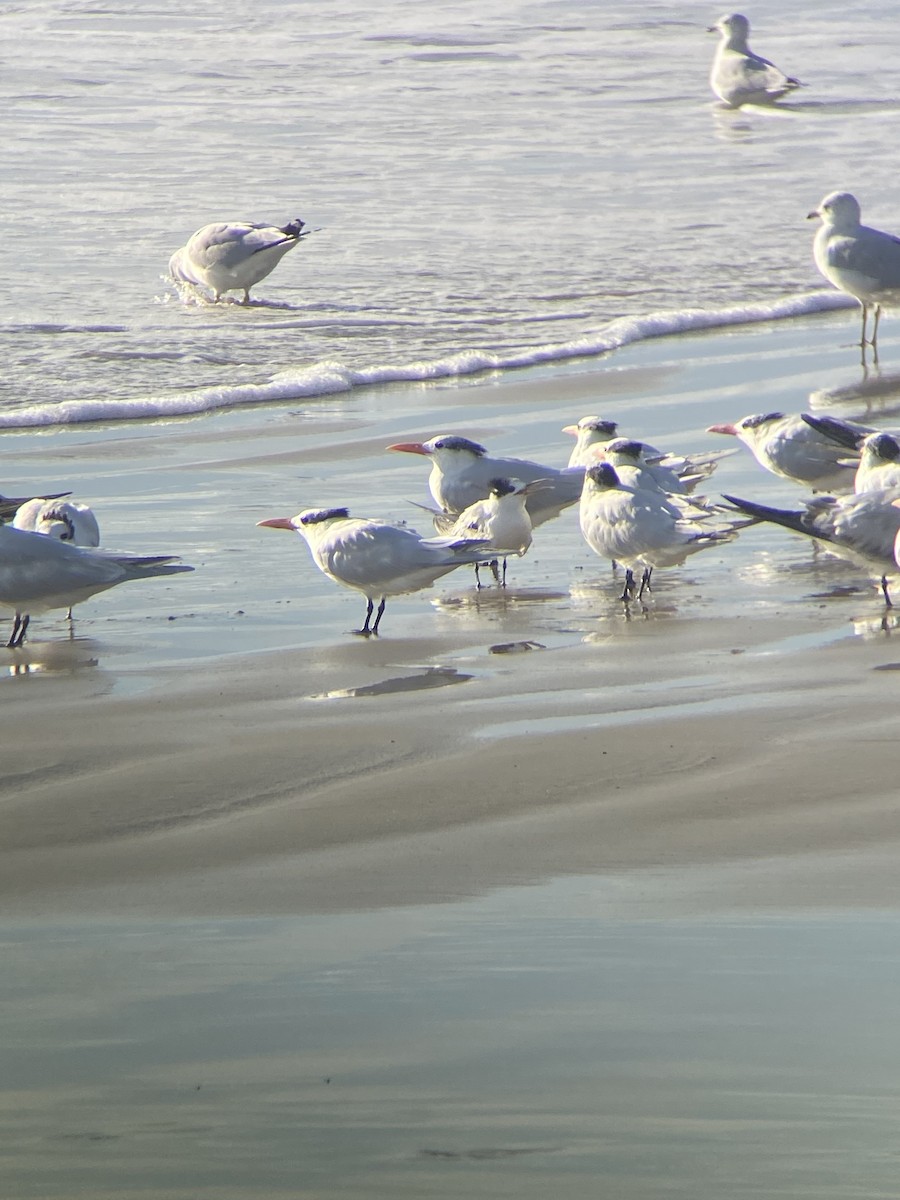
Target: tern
{"type": "Point", "coordinates": [861, 528]}
{"type": "Point", "coordinates": [594, 434]}
{"type": "Point", "coordinates": [863, 262]}
{"type": "Point", "coordinates": [638, 527]}
{"type": "Point", "coordinates": [374, 557]}
{"type": "Point", "coordinates": [462, 471]}
{"type": "Point", "coordinates": [233, 256]}
{"type": "Point", "coordinates": [790, 447]}
{"type": "Point", "coordinates": [739, 76]}
{"type": "Point", "coordinates": [879, 452]}
{"type": "Point", "coordinates": [39, 573]}
{"type": "Point", "coordinates": [61, 519]}
{"type": "Point", "coordinates": [501, 520]}
{"type": "Point", "coordinates": [10, 505]}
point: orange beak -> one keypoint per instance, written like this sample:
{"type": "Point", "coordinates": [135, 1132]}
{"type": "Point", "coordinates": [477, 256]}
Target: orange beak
{"type": "Point", "coordinates": [573, 429]}
{"type": "Point", "coordinates": [722, 429]}
{"type": "Point", "coordinates": [277, 523]}
{"type": "Point", "coordinates": [409, 448]}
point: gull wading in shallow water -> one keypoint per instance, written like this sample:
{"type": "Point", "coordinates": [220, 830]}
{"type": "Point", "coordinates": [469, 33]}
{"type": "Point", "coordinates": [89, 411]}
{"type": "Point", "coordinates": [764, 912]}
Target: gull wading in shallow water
{"type": "Point", "coordinates": [861, 528]}
{"type": "Point", "coordinates": [863, 262]}
{"type": "Point", "coordinates": [375, 557]}
{"type": "Point", "coordinates": [790, 447]}
{"type": "Point", "coordinates": [233, 256]}
{"type": "Point", "coordinates": [640, 528]}
{"type": "Point", "coordinates": [739, 76]}
{"type": "Point", "coordinates": [39, 573]}
{"type": "Point", "coordinates": [462, 472]}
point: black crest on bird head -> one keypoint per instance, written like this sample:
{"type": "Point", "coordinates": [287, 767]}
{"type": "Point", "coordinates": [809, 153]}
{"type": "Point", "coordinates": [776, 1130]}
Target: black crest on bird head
{"type": "Point", "coordinates": [313, 516]}
{"type": "Point", "coordinates": [885, 446]}
{"type": "Point", "coordinates": [451, 441]}
{"type": "Point", "coordinates": [603, 475]}
{"type": "Point", "coordinates": [293, 228]}
{"type": "Point", "coordinates": [630, 449]}
{"type": "Point", "coordinates": [60, 514]}
{"type": "Point", "coordinates": [607, 428]}
{"type": "Point", "coordinates": [502, 487]}
{"type": "Point", "coordinates": [760, 419]}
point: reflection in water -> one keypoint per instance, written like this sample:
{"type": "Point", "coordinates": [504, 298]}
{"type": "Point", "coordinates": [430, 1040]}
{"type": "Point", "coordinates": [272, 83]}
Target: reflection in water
{"type": "Point", "coordinates": [876, 393]}
{"type": "Point", "coordinates": [70, 657]}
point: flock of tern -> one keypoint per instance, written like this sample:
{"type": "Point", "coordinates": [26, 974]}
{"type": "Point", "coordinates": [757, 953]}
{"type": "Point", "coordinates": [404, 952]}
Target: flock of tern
{"type": "Point", "coordinates": [636, 503]}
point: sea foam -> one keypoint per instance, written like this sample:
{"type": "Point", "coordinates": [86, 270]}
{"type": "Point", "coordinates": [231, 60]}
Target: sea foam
{"type": "Point", "coordinates": [328, 377]}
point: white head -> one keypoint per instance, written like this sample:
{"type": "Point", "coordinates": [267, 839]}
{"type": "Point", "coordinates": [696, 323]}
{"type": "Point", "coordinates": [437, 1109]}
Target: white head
{"type": "Point", "coordinates": [734, 28]}
{"type": "Point", "coordinates": [839, 211]}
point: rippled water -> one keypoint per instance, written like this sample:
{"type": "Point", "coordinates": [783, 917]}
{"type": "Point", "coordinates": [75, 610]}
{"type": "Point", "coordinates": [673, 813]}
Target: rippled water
{"type": "Point", "coordinates": [488, 183]}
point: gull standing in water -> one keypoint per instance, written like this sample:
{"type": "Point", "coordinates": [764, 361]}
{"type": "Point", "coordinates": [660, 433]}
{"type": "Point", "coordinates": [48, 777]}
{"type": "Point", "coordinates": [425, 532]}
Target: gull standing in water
{"type": "Point", "coordinates": [233, 256]}
{"type": "Point", "coordinates": [863, 262]}
{"type": "Point", "coordinates": [639, 528]}
{"type": "Point", "coordinates": [791, 447]}
{"type": "Point", "coordinates": [39, 573]}
{"type": "Point", "coordinates": [375, 557]}
{"type": "Point", "coordinates": [738, 75]}
{"type": "Point", "coordinates": [462, 472]}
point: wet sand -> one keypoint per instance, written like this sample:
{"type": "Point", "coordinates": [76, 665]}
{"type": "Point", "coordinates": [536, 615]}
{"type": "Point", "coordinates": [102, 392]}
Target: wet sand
{"type": "Point", "coordinates": [493, 904]}
{"type": "Point", "coordinates": [222, 732]}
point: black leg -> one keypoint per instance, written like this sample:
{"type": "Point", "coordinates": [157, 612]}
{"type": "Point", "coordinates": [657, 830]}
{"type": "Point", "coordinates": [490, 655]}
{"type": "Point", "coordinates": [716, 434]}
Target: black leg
{"type": "Point", "coordinates": [477, 578]}
{"type": "Point", "coordinates": [378, 616]}
{"type": "Point", "coordinates": [628, 590]}
{"type": "Point", "coordinates": [645, 582]}
{"type": "Point", "coordinates": [503, 580]}
{"type": "Point", "coordinates": [886, 593]}
{"type": "Point", "coordinates": [364, 632]}
{"type": "Point", "coordinates": [20, 625]}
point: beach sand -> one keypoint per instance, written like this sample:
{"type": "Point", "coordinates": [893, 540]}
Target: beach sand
{"type": "Point", "coordinates": [215, 748]}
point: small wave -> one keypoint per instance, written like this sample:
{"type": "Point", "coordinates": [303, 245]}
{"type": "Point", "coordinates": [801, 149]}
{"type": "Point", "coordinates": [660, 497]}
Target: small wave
{"type": "Point", "coordinates": [328, 378]}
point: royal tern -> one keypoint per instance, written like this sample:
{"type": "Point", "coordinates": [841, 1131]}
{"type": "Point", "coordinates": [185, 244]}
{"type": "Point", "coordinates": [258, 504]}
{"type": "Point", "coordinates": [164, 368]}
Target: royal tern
{"type": "Point", "coordinates": [38, 573]}
{"type": "Point", "coordinates": [861, 528]}
{"type": "Point", "coordinates": [739, 76]}
{"type": "Point", "coordinates": [375, 557]}
{"type": "Point", "coordinates": [638, 527]}
{"type": "Point", "coordinates": [594, 434]}
{"type": "Point", "coordinates": [863, 262]}
{"type": "Point", "coordinates": [462, 471]}
{"type": "Point", "coordinates": [61, 519]}
{"type": "Point", "coordinates": [789, 447]}
{"type": "Point", "coordinates": [501, 520]}
{"type": "Point", "coordinates": [233, 256]}
{"type": "Point", "coordinates": [10, 505]}
{"type": "Point", "coordinates": [879, 452]}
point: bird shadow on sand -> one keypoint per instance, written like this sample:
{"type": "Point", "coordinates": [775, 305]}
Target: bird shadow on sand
{"type": "Point", "coordinates": [431, 677]}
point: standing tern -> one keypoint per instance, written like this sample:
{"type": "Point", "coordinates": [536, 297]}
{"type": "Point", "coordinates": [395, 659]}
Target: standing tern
{"type": "Point", "coordinates": [638, 527]}
{"type": "Point", "coordinates": [233, 256]}
{"type": "Point", "coordinates": [790, 447]}
{"type": "Point", "coordinates": [594, 434]}
{"type": "Point", "coordinates": [375, 557]}
{"type": "Point", "coordinates": [501, 520]}
{"type": "Point", "coordinates": [39, 573]}
{"type": "Point", "coordinates": [739, 76]}
{"type": "Point", "coordinates": [863, 262]}
{"type": "Point", "coordinates": [61, 519]}
{"type": "Point", "coordinates": [879, 452]}
{"type": "Point", "coordinates": [462, 471]}
{"type": "Point", "coordinates": [861, 528]}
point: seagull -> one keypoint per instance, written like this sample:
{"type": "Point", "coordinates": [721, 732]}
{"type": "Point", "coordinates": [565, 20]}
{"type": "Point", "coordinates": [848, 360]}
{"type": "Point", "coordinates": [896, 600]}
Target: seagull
{"type": "Point", "coordinates": [501, 520]}
{"type": "Point", "coordinates": [863, 262]}
{"type": "Point", "coordinates": [861, 528]}
{"type": "Point", "coordinates": [233, 256]}
{"type": "Point", "coordinates": [738, 75]}
{"type": "Point", "coordinates": [879, 452]}
{"type": "Point", "coordinates": [38, 573]}
{"type": "Point", "coordinates": [375, 557]}
{"type": "Point", "coordinates": [462, 471]}
{"type": "Point", "coordinates": [10, 505]}
{"type": "Point", "coordinates": [638, 527]}
{"type": "Point", "coordinates": [790, 447]}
